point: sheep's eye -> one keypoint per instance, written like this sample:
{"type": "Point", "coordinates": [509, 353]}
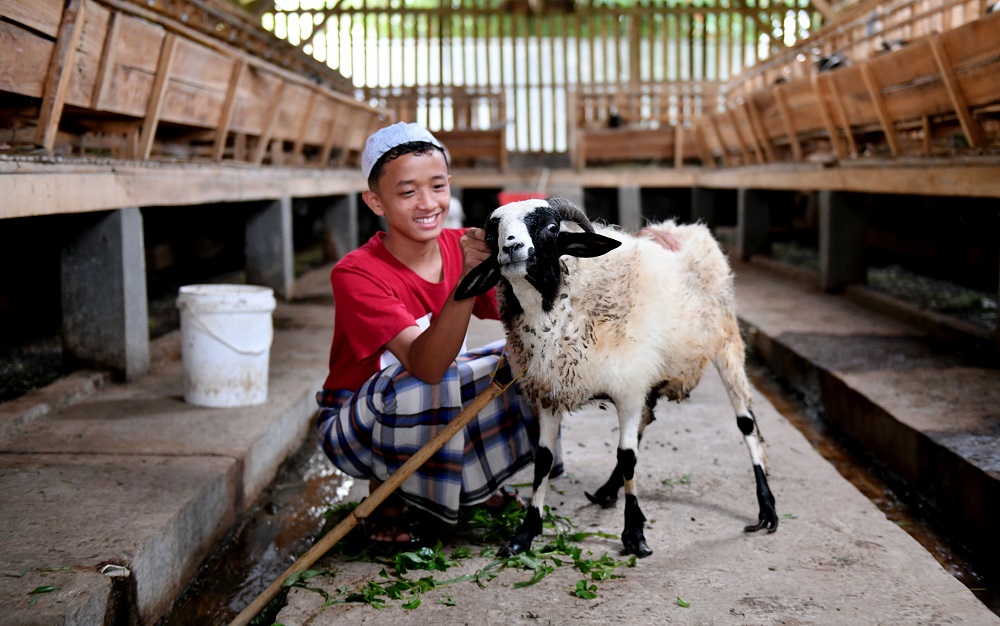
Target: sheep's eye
{"type": "Point", "coordinates": [553, 228]}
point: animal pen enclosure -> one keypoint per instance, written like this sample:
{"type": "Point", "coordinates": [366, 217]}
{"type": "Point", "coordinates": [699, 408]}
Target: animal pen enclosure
{"type": "Point", "coordinates": [543, 56]}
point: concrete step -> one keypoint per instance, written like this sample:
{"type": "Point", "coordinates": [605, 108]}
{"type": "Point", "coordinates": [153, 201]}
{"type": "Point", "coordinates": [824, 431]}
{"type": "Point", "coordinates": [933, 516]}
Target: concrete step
{"type": "Point", "coordinates": [923, 408]}
{"type": "Point", "coordinates": [97, 473]}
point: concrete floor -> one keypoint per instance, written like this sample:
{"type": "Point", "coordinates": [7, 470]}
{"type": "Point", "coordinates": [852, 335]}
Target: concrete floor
{"type": "Point", "coordinates": [93, 474]}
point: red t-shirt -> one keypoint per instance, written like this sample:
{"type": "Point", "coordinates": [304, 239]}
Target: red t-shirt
{"type": "Point", "coordinates": [377, 297]}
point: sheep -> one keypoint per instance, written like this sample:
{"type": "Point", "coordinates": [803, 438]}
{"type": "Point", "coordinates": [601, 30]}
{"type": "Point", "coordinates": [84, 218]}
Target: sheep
{"type": "Point", "coordinates": [636, 325]}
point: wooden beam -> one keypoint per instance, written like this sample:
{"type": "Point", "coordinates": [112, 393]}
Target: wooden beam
{"type": "Point", "coordinates": [753, 139]}
{"type": "Point", "coordinates": [271, 118]}
{"type": "Point", "coordinates": [106, 68]}
{"type": "Point", "coordinates": [754, 113]}
{"type": "Point", "coordinates": [722, 141]}
{"type": "Point", "coordinates": [679, 145]}
{"type": "Point", "coordinates": [59, 74]}
{"type": "Point", "coordinates": [973, 132]}
{"type": "Point", "coordinates": [745, 151]}
{"type": "Point", "coordinates": [307, 120]}
{"type": "Point", "coordinates": [875, 93]}
{"type": "Point", "coordinates": [825, 9]}
{"type": "Point", "coordinates": [159, 89]}
{"type": "Point", "coordinates": [841, 113]}
{"type": "Point", "coordinates": [786, 122]}
{"type": "Point", "coordinates": [705, 153]}
{"type": "Point", "coordinates": [228, 106]}
{"type": "Point", "coordinates": [831, 129]}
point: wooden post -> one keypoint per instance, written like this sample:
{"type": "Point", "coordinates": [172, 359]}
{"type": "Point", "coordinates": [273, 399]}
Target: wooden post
{"type": "Point", "coordinates": [758, 124]}
{"type": "Point", "coordinates": [156, 94]}
{"type": "Point", "coordinates": [228, 106]}
{"type": "Point", "coordinates": [831, 129]}
{"type": "Point", "coordinates": [722, 142]}
{"type": "Point", "coordinates": [875, 93]}
{"type": "Point", "coordinates": [269, 122]}
{"type": "Point", "coordinates": [105, 70]}
{"type": "Point", "coordinates": [304, 128]}
{"type": "Point", "coordinates": [841, 112]}
{"type": "Point", "coordinates": [786, 121]}
{"type": "Point", "coordinates": [972, 130]}
{"type": "Point", "coordinates": [59, 74]}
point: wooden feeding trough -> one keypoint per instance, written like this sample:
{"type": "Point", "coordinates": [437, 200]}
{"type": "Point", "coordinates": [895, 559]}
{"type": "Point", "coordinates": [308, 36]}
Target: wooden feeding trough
{"type": "Point", "coordinates": [168, 80]}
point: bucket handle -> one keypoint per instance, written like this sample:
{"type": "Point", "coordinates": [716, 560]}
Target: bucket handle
{"type": "Point", "coordinates": [215, 336]}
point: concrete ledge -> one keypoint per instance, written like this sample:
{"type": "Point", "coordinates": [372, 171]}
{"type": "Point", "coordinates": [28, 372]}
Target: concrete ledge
{"type": "Point", "coordinates": [93, 472]}
{"type": "Point", "coordinates": [927, 416]}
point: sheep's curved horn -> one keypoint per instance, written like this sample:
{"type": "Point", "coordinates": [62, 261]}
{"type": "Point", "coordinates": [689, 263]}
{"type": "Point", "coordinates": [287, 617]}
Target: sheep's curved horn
{"type": "Point", "coordinates": [572, 213]}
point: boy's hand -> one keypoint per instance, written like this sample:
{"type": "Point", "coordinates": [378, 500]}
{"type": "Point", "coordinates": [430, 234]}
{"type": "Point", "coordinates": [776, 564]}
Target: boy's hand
{"type": "Point", "coordinates": [475, 250]}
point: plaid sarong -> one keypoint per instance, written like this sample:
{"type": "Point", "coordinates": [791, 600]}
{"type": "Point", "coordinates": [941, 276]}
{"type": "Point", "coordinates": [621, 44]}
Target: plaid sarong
{"type": "Point", "coordinates": [372, 432]}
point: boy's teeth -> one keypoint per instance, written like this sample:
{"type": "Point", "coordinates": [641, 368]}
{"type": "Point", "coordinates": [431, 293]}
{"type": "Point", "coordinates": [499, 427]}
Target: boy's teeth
{"type": "Point", "coordinates": [425, 220]}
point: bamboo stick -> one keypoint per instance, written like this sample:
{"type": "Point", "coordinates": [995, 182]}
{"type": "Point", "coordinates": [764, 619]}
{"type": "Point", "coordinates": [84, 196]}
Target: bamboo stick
{"type": "Point", "coordinates": [372, 502]}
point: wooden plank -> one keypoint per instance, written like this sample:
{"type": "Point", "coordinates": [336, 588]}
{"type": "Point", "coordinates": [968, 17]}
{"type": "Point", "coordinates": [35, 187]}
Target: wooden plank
{"type": "Point", "coordinates": [87, 59]}
{"type": "Point", "coordinates": [875, 92]}
{"type": "Point", "coordinates": [714, 123]}
{"type": "Point", "coordinates": [136, 51]}
{"type": "Point", "coordinates": [754, 113]}
{"type": "Point", "coordinates": [745, 151]}
{"type": "Point", "coordinates": [307, 122]}
{"type": "Point", "coordinates": [58, 190]}
{"type": "Point", "coordinates": [271, 118]}
{"type": "Point", "coordinates": [786, 121]}
{"type": "Point", "coordinates": [43, 16]}
{"type": "Point", "coordinates": [841, 113]}
{"type": "Point", "coordinates": [679, 145]}
{"type": "Point", "coordinates": [226, 114]}
{"type": "Point", "coordinates": [108, 57]}
{"type": "Point", "coordinates": [756, 136]}
{"type": "Point", "coordinates": [973, 132]}
{"type": "Point", "coordinates": [58, 76]}
{"type": "Point", "coordinates": [831, 129]}
{"type": "Point", "coordinates": [155, 104]}
{"type": "Point", "coordinates": [26, 60]}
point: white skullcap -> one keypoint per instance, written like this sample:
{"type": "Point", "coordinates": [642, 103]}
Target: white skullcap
{"type": "Point", "coordinates": [387, 138]}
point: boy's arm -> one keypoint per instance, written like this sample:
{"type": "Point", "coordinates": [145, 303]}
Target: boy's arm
{"type": "Point", "coordinates": [428, 354]}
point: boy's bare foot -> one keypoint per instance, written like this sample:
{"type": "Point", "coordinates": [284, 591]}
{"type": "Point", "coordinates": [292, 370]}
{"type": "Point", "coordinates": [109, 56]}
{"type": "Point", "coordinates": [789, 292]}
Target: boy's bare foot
{"type": "Point", "coordinates": [389, 522]}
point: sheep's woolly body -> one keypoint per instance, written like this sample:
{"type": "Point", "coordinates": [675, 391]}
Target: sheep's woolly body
{"type": "Point", "coordinates": [596, 339]}
{"type": "Point", "coordinates": [610, 315]}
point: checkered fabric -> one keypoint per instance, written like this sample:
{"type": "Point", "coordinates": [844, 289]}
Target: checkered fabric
{"type": "Point", "coordinates": [371, 433]}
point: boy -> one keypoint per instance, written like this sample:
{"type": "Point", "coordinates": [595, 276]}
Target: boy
{"type": "Point", "coordinates": [398, 366]}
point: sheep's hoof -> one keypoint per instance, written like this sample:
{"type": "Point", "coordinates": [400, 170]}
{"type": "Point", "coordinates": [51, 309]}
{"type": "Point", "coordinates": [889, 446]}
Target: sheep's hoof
{"type": "Point", "coordinates": [604, 499]}
{"type": "Point", "coordinates": [513, 548]}
{"type": "Point", "coordinates": [635, 543]}
{"type": "Point", "coordinates": [768, 519]}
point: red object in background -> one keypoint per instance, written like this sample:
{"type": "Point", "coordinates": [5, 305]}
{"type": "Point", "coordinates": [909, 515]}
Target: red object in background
{"type": "Point", "coordinates": [506, 197]}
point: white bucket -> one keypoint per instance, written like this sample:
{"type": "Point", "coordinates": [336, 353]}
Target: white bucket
{"type": "Point", "coordinates": [226, 334]}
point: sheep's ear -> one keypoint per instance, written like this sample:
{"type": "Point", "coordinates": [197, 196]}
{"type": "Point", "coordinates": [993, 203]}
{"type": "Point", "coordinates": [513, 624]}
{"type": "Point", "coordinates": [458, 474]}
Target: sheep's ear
{"type": "Point", "coordinates": [586, 245]}
{"type": "Point", "coordinates": [480, 280]}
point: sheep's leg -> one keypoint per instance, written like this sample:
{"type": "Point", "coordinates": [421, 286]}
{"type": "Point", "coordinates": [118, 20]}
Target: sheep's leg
{"type": "Point", "coordinates": [629, 423]}
{"type": "Point", "coordinates": [531, 527]}
{"type": "Point", "coordinates": [607, 494]}
{"type": "Point", "coordinates": [731, 367]}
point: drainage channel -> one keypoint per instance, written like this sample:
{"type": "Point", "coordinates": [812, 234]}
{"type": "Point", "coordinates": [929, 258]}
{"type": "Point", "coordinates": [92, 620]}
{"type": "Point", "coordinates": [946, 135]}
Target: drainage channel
{"type": "Point", "coordinates": [282, 525]}
{"type": "Point", "coordinates": [287, 518]}
{"type": "Point", "coordinates": [896, 502]}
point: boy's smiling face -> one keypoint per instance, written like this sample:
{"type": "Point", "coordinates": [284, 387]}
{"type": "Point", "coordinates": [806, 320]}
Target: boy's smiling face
{"type": "Point", "coordinates": [413, 194]}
